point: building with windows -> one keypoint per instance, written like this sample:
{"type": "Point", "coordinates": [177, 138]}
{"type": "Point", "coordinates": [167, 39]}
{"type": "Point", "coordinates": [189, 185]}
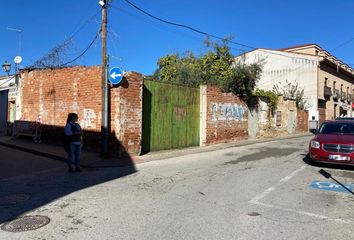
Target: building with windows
{"type": "Point", "coordinates": [10, 105]}
{"type": "Point", "coordinates": [327, 81]}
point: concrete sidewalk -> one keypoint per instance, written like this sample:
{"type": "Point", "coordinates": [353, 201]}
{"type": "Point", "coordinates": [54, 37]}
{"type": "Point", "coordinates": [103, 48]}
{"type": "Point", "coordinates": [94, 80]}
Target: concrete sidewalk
{"type": "Point", "coordinates": [57, 152]}
{"type": "Point", "coordinates": [93, 159]}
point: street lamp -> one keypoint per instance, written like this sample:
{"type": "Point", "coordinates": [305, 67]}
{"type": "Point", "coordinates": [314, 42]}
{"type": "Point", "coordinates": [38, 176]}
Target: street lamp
{"type": "Point", "coordinates": [7, 67]}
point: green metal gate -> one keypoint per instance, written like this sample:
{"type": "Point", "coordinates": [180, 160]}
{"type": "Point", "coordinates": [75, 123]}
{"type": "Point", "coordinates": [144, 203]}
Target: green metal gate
{"type": "Point", "coordinates": [170, 116]}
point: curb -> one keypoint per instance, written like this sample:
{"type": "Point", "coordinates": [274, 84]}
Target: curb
{"type": "Point", "coordinates": [159, 155]}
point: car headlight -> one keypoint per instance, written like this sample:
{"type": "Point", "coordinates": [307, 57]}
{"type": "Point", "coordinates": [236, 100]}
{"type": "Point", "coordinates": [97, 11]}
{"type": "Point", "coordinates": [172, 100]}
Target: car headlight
{"type": "Point", "coordinates": [315, 144]}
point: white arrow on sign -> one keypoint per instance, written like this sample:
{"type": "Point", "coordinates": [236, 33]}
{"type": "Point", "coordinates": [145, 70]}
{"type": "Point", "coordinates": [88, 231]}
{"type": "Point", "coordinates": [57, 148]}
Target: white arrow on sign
{"type": "Point", "coordinates": [114, 75]}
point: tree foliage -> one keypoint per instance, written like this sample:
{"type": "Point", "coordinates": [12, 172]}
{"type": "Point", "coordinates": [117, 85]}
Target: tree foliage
{"type": "Point", "coordinates": [270, 95]}
{"type": "Point", "coordinates": [180, 70]}
{"type": "Point", "coordinates": [216, 67]}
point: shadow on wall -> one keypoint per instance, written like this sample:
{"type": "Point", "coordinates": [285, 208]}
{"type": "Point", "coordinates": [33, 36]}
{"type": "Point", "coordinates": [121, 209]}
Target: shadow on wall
{"type": "Point", "coordinates": [38, 181]}
{"type": "Point", "coordinates": [91, 140]}
{"type": "Point", "coordinates": [146, 131]}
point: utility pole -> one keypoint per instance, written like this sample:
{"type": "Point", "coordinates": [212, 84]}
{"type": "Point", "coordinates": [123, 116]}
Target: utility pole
{"type": "Point", "coordinates": [104, 121]}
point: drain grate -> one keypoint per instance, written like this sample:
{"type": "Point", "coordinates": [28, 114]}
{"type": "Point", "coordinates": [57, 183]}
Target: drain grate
{"type": "Point", "coordinates": [26, 223]}
{"type": "Point", "coordinates": [13, 199]}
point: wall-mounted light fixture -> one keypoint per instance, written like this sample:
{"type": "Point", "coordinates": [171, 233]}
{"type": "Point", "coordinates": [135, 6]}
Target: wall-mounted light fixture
{"type": "Point", "coordinates": [7, 67]}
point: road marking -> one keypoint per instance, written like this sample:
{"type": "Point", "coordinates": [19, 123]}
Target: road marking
{"type": "Point", "coordinates": [256, 200]}
{"type": "Point", "coordinates": [304, 213]}
{"type": "Point", "coordinates": [331, 186]}
{"type": "Point", "coordinates": [271, 189]}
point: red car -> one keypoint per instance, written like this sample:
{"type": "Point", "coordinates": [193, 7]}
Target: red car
{"type": "Point", "coordinates": [333, 143]}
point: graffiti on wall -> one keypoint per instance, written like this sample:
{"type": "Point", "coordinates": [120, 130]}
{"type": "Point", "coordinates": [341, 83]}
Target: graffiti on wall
{"type": "Point", "coordinates": [89, 119]}
{"type": "Point", "coordinates": [227, 111]}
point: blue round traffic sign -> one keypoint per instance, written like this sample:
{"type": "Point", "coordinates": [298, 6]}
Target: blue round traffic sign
{"type": "Point", "coordinates": [115, 75]}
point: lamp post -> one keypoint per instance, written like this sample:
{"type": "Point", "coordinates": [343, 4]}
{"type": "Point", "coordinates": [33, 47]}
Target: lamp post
{"type": "Point", "coordinates": [7, 67]}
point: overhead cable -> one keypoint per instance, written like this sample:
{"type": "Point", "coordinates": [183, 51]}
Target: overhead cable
{"type": "Point", "coordinates": [84, 24]}
{"type": "Point", "coordinates": [88, 47]}
{"type": "Point", "coordinates": [342, 44]}
{"type": "Point", "coordinates": [164, 29]}
{"type": "Point", "coordinates": [184, 26]}
{"type": "Point", "coordinates": [6, 80]}
{"type": "Point", "coordinates": [207, 34]}
{"type": "Point", "coordinates": [217, 37]}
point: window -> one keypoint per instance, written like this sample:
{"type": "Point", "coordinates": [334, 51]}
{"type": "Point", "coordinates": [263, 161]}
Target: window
{"type": "Point", "coordinates": [321, 103]}
{"type": "Point", "coordinates": [334, 128]}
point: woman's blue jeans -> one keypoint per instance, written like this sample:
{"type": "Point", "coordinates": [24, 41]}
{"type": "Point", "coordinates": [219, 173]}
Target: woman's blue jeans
{"type": "Point", "coordinates": [74, 152]}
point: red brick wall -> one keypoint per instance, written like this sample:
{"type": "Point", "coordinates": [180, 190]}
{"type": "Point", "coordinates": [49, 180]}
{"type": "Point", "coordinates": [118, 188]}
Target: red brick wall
{"type": "Point", "coordinates": [126, 108]}
{"type": "Point", "coordinates": [52, 94]}
{"type": "Point", "coordinates": [227, 117]}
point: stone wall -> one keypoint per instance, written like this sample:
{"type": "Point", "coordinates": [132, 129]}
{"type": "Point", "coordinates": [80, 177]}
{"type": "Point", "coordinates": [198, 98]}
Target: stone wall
{"type": "Point", "coordinates": [281, 122]}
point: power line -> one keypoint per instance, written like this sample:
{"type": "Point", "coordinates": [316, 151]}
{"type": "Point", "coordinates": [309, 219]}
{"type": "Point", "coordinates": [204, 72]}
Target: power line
{"type": "Point", "coordinates": [88, 47]}
{"type": "Point", "coordinates": [342, 44]}
{"type": "Point", "coordinates": [205, 33]}
{"type": "Point", "coordinates": [164, 29]}
{"type": "Point", "coordinates": [6, 81]}
{"type": "Point", "coordinates": [82, 26]}
{"type": "Point", "coordinates": [217, 37]}
{"type": "Point", "coordinates": [68, 39]}
{"type": "Point", "coordinates": [184, 26]}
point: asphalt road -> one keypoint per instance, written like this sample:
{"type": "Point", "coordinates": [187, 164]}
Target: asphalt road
{"type": "Point", "coordinates": [258, 191]}
{"type": "Point", "coordinates": [15, 163]}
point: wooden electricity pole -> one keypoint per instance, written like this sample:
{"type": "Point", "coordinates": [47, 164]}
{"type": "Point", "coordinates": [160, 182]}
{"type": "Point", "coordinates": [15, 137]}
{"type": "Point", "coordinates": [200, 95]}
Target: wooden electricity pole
{"type": "Point", "coordinates": [104, 120]}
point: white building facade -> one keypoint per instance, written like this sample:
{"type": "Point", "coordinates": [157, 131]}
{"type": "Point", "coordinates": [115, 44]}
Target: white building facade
{"type": "Point", "coordinates": [10, 103]}
{"type": "Point", "coordinates": [314, 70]}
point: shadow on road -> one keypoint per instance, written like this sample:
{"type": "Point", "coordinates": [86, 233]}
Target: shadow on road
{"type": "Point", "coordinates": [22, 193]}
{"type": "Point", "coordinates": [308, 161]}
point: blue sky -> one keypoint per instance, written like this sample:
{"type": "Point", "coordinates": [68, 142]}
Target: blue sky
{"type": "Point", "coordinates": [136, 41]}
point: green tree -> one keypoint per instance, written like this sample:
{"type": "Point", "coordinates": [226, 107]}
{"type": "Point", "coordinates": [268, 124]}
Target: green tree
{"type": "Point", "coordinates": [271, 96]}
{"type": "Point", "coordinates": [216, 67]}
{"type": "Point", "coordinates": [180, 70]}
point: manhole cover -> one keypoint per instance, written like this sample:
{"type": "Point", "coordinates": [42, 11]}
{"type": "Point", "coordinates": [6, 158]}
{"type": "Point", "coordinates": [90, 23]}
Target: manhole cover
{"type": "Point", "coordinates": [26, 223]}
{"type": "Point", "coordinates": [13, 199]}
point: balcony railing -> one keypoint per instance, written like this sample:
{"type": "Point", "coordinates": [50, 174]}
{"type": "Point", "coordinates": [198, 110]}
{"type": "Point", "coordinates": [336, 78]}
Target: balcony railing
{"type": "Point", "coordinates": [335, 94]}
{"type": "Point", "coordinates": [343, 96]}
{"type": "Point", "coordinates": [327, 92]}
{"type": "Point", "coordinates": [350, 99]}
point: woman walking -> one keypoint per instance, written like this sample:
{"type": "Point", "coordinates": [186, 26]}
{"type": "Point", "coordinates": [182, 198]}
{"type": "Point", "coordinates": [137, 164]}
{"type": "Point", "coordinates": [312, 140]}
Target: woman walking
{"type": "Point", "coordinates": [73, 135]}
